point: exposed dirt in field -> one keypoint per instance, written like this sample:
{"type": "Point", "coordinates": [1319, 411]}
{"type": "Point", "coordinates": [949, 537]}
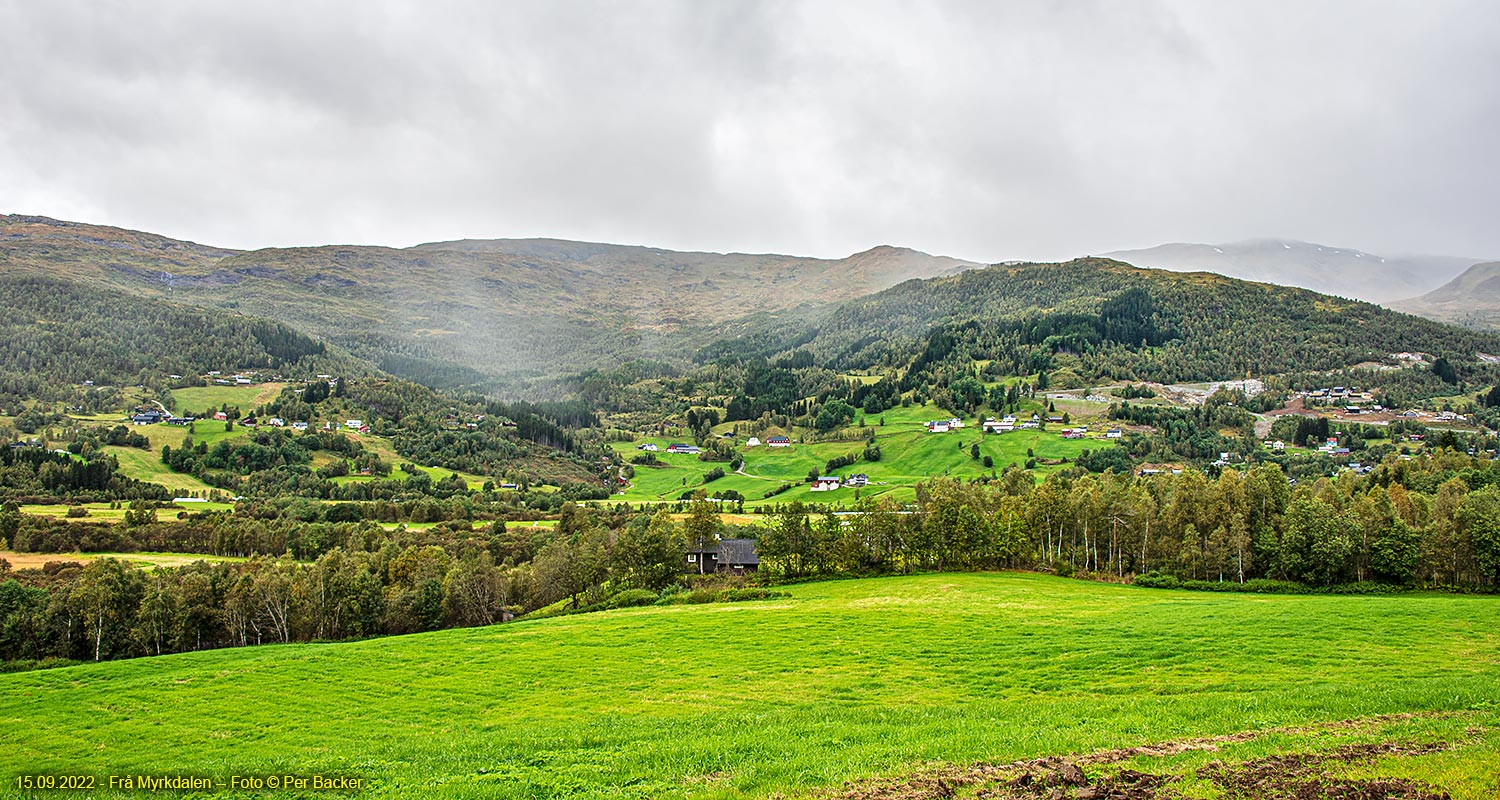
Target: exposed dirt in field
{"type": "Point", "coordinates": [1305, 776]}
{"type": "Point", "coordinates": [1300, 776]}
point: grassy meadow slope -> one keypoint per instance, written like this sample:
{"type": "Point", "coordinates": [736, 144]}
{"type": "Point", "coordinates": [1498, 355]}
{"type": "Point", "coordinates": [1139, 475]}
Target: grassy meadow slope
{"type": "Point", "coordinates": [844, 680]}
{"type": "Point", "coordinates": [910, 455]}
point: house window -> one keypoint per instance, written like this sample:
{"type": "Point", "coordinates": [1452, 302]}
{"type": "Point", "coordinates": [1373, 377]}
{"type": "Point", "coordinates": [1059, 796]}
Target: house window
{"type": "Point", "coordinates": [692, 559]}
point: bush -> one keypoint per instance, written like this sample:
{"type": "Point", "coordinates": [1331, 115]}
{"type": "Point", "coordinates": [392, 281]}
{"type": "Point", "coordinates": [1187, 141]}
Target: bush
{"type": "Point", "coordinates": [709, 594]}
{"type": "Point", "coordinates": [754, 593]}
{"type": "Point", "coordinates": [1156, 580]}
{"type": "Point", "coordinates": [28, 665]}
{"type": "Point", "coordinates": [630, 598]}
{"type": "Point", "coordinates": [74, 512]}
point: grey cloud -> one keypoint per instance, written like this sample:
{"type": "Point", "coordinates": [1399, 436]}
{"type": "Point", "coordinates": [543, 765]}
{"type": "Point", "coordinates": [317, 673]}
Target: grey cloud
{"type": "Point", "coordinates": [983, 130]}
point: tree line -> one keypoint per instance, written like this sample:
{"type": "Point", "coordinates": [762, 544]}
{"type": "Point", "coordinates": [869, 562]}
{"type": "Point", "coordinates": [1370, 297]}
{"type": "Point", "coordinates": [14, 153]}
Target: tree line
{"type": "Point", "coordinates": [361, 582]}
{"type": "Point", "coordinates": [1409, 523]}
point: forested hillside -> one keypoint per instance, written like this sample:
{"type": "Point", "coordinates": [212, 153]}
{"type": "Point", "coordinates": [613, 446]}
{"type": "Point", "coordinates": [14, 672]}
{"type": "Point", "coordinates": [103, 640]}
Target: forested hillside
{"type": "Point", "coordinates": [1120, 322]}
{"type": "Point", "coordinates": [55, 332]}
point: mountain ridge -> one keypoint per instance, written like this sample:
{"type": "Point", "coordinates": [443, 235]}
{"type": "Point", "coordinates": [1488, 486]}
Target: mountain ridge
{"type": "Point", "coordinates": [1471, 299]}
{"type": "Point", "coordinates": [1337, 271]}
{"type": "Point", "coordinates": [487, 312]}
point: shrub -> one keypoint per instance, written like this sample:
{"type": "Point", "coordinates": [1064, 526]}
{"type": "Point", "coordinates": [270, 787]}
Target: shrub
{"type": "Point", "coordinates": [630, 598]}
{"type": "Point", "coordinates": [752, 593]}
{"type": "Point", "coordinates": [1156, 580]}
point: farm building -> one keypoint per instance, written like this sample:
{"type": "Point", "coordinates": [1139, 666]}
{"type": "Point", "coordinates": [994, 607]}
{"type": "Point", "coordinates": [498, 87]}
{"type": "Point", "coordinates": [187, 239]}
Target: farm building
{"type": "Point", "coordinates": [648, 447]}
{"type": "Point", "coordinates": [827, 483]}
{"type": "Point", "coordinates": [779, 441]}
{"type": "Point", "coordinates": [937, 426]}
{"type": "Point", "coordinates": [752, 442]}
{"type": "Point", "coordinates": [736, 556]}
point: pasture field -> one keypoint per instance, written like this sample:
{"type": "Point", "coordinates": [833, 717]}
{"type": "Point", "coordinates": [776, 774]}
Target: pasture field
{"type": "Point", "coordinates": [101, 512]}
{"type": "Point", "coordinates": [909, 455]}
{"type": "Point", "coordinates": [146, 465]}
{"type": "Point", "coordinates": [37, 560]}
{"type": "Point", "coordinates": [855, 680]}
{"type": "Point", "coordinates": [196, 399]}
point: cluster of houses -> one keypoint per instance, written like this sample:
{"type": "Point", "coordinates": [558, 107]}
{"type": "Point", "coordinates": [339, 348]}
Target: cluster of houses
{"type": "Point", "coordinates": [682, 447]}
{"type": "Point", "coordinates": [1006, 425]}
{"type": "Point", "coordinates": [1330, 446]}
{"type": "Point", "coordinates": [1350, 398]}
{"type": "Point", "coordinates": [220, 379]}
{"type": "Point", "coordinates": [671, 448]}
{"type": "Point", "coordinates": [152, 416]}
{"type": "Point", "coordinates": [828, 483]}
{"type": "Point", "coordinates": [1009, 423]}
{"type": "Point", "coordinates": [771, 441]}
{"type": "Point", "coordinates": [944, 425]}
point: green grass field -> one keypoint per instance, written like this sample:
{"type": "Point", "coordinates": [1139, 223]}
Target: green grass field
{"type": "Point", "coordinates": [844, 681]}
{"type": "Point", "coordinates": [909, 455]}
{"type": "Point", "coordinates": [196, 399]}
{"type": "Point", "coordinates": [146, 465]}
{"type": "Point", "coordinates": [101, 512]}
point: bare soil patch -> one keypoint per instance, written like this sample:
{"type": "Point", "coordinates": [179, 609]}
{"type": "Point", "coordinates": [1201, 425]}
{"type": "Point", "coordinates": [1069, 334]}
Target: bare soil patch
{"type": "Point", "coordinates": [1297, 776]}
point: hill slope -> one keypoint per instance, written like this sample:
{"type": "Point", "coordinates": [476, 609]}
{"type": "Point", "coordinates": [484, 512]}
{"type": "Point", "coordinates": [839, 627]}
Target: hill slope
{"type": "Point", "coordinates": [473, 312]}
{"type": "Point", "coordinates": [1471, 299]}
{"type": "Point", "coordinates": [1342, 272]}
{"type": "Point", "coordinates": [55, 332]}
{"type": "Point", "coordinates": [1200, 326]}
{"type": "Point", "coordinates": [843, 681]}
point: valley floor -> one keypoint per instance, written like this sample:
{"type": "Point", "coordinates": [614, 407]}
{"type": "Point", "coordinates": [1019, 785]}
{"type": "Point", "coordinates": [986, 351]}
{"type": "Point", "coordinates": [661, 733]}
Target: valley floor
{"type": "Point", "coordinates": [895, 684]}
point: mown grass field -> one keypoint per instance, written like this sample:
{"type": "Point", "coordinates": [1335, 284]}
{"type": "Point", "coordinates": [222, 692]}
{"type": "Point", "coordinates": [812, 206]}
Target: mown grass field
{"type": "Point", "coordinates": [909, 455]}
{"type": "Point", "coordinates": [843, 681]}
{"type": "Point", "coordinates": [196, 399]}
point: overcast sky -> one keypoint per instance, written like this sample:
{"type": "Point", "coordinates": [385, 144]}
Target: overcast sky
{"type": "Point", "coordinates": [985, 130]}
